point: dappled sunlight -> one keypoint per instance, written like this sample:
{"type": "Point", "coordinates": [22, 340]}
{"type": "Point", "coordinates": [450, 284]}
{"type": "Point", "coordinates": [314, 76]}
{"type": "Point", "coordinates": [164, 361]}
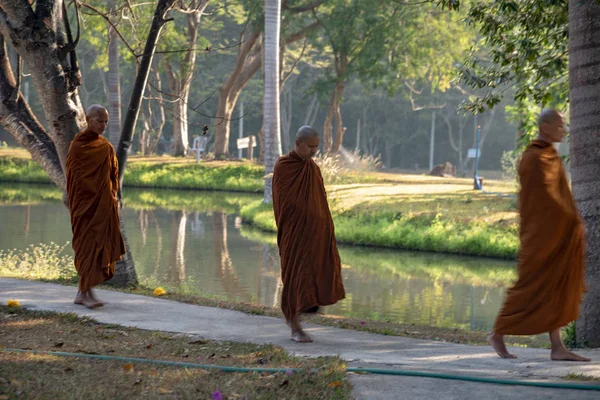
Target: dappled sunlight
{"type": "Point", "coordinates": [25, 324]}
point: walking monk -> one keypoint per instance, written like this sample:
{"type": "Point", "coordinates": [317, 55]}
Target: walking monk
{"type": "Point", "coordinates": [92, 185]}
{"type": "Point", "coordinates": [310, 263]}
{"type": "Point", "coordinates": [547, 294]}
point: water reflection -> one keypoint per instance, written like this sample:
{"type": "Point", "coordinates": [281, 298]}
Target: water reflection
{"type": "Point", "coordinates": [201, 248]}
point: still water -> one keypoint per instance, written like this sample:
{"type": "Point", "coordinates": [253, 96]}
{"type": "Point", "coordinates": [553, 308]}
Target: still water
{"type": "Point", "coordinates": [195, 243]}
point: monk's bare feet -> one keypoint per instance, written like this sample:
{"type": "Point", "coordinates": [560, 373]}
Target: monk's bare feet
{"type": "Point", "coordinates": [93, 297]}
{"type": "Point", "coordinates": [89, 301]}
{"type": "Point", "coordinates": [497, 343]}
{"type": "Point", "coordinates": [301, 337]}
{"type": "Point", "coordinates": [562, 354]}
{"type": "Point", "coordinates": [298, 334]}
{"type": "Point", "coordinates": [79, 298]}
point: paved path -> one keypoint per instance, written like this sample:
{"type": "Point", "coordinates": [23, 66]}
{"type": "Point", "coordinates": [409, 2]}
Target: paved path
{"type": "Point", "coordinates": [358, 348]}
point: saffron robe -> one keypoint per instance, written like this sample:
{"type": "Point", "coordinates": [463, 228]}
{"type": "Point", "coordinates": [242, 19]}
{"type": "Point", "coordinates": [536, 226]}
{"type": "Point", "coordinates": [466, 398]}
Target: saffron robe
{"type": "Point", "coordinates": [310, 262]}
{"type": "Point", "coordinates": [92, 186]}
{"type": "Point", "coordinates": [550, 281]}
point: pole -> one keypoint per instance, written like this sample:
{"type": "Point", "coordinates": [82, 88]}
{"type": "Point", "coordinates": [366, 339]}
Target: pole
{"type": "Point", "coordinates": [241, 127]}
{"type": "Point", "coordinates": [477, 185]}
{"type": "Point", "coordinates": [432, 141]}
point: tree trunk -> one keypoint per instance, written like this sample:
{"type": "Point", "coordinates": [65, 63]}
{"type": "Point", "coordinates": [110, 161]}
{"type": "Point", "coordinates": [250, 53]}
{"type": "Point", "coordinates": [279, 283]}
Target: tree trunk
{"type": "Point", "coordinates": [180, 125]}
{"type": "Point", "coordinates": [584, 86]}
{"type": "Point", "coordinates": [333, 111]}
{"type": "Point", "coordinates": [271, 112]}
{"type": "Point", "coordinates": [141, 80]}
{"type": "Point", "coordinates": [248, 62]}
{"type": "Point", "coordinates": [114, 84]}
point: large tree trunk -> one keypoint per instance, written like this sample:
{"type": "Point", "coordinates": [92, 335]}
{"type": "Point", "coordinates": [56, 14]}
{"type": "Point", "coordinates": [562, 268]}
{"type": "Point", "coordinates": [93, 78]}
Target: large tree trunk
{"type": "Point", "coordinates": [584, 86]}
{"type": "Point", "coordinates": [37, 36]}
{"type": "Point", "coordinates": [114, 84]}
{"type": "Point", "coordinates": [333, 112]}
{"type": "Point", "coordinates": [271, 97]}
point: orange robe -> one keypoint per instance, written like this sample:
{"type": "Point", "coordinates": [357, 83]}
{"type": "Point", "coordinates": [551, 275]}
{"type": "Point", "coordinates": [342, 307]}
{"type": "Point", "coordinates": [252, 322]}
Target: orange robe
{"type": "Point", "coordinates": [551, 262]}
{"type": "Point", "coordinates": [92, 185]}
{"type": "Point", "coordinates": [310, 262]}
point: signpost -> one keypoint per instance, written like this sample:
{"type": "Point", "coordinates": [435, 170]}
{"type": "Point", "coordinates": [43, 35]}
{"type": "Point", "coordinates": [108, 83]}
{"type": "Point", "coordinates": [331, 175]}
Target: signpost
{"type": "Point", "coordinates": [249, 143]}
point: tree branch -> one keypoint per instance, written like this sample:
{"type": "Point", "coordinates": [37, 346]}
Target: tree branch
{"type": "Point", "coordinates": [105, 16]}
{"type": "Point", "coordinates": [301, 9]}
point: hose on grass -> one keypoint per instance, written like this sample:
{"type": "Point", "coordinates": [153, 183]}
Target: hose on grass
{"type": "Point", "coordinates": [378, 371]}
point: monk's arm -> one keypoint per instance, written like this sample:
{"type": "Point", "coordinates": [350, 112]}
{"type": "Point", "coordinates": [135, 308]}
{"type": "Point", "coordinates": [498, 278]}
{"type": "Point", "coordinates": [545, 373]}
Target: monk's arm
{"type": "Point", "coordinates": [542, 182]}
{"type": "Point", "coordinates": [114, 173]}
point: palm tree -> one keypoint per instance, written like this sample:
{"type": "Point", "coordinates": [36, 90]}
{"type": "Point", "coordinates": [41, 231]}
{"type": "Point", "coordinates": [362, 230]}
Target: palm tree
{"type": "Point", "coordinates": [271, 96]}
{"type": "Point", "coordinates": [584, 86]}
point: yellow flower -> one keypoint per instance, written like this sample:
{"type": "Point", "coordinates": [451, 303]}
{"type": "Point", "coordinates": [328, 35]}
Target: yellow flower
{"type": "Point", "coordinates": [159, 291]}
{"type": "Point", "coordinates": [13, 303]}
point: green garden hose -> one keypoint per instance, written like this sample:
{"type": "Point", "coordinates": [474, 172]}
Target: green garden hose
{"type": "Point", "coordinates": [379, 371]}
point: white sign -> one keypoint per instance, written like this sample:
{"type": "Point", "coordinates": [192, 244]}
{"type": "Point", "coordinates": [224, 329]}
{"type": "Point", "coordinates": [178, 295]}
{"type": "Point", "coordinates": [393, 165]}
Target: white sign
{"type": "Point", "coordinates": [472, 153]}
{"type": "Point", "coordinates": [243, 143]}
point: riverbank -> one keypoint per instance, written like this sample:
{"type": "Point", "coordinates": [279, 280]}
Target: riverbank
{"type": "Point", "coordinates": [378, 209]}
{"type": "Point", "coordinates": [32, 375]}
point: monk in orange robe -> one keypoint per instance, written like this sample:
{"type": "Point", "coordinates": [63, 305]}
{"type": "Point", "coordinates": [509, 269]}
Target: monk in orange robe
{"type": "Point", "coordinates": [310, 263]}
{"type": "Point", "coordinates": [92, 185]}
{"type": "Point", "coordinates": [550, 284]}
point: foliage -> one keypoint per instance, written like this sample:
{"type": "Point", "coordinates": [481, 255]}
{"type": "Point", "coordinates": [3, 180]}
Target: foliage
{"type": "Point", "coordinates": [330, 166]}
{"type": "Point", "coordinates": [42, 261]}
{"type": "Point", "coordinates": [523, 45]}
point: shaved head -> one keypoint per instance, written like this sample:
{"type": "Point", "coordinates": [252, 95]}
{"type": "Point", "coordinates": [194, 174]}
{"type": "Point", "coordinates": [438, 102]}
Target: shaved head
{"type": "Point", "coordinates": [94, 110]}
{"type": "Point", "coordinates": [307, 142]}
{"type": "Point", "coordinates": [96, 117]}
{"type": "Point", "coordinates": [549, 116]}
{"type": "Point", "coordinates": [551, 124]}
{"type": "Point", "coordinates": [306, 132]}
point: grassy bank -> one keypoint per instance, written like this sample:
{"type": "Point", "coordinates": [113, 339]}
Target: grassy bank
{"type": "Point", "coordinates": [157, 172]}
{"type": "Point", "coordinates": [424, 213]}
{"type": "Point", "coordinates": [32, 376]}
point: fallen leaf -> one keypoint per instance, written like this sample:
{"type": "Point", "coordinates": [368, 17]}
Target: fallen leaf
{"type": "Point", "coordinates": [149, 346]}
{"type": "Point", "coordinates": [284, 383]}
{"type": "Point", "coordinates": [128, 367]}
{"type": "Point", "coordinates": [137, 382]}
{"type": "Point", "coordinates": [335, 384]}
{"type": "Point", "coordinates": [164, 391]}
{"type": "Point", "coordinates": [59, 344]}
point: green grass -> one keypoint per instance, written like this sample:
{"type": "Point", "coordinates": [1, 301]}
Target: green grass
{"type": "Point", "coordinates": [385, 224]}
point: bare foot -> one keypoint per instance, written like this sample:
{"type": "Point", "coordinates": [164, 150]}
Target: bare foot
{"type": "Point", "coordinates": [94, 298]}
{"type": "Point", "coordinates": [565, 355]}
{"type": "Point", "coordinates": [79, 298]}
{"type": "Point", "coordinates": [497, 343]}
{"type": "Point", "coordinates": [89, 301]}
{"type": "Point", "coordinates": [301, 337]}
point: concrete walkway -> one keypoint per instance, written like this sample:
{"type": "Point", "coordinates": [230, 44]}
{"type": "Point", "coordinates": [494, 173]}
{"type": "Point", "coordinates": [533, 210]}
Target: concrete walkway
{"type": "Point", "coordinates": [358, 348]}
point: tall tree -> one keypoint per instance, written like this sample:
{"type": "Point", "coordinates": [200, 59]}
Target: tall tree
{"type": "Point", "coordinates": [584, 86]}
{"type": "Point", "coordinates": [385, 44]}
{"type": "Point", "coordinates": [114, 81]}
{"type": "Point", "coordinates": [44, 42]}
{"type": "Point", "coordinates": [180, 71]}
{"type": "Point", "coordinates": [271, 114]}
{"type": "Point", "coordinates": [249, 58]}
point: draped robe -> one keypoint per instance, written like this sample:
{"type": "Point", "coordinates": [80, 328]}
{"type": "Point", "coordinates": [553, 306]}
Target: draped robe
{"type": "Point", "coordinates": [310, 262]}
{"type": "Point", "coordinates": [550, 281]}
{"type": "Point", "coordinates": [92, 185]}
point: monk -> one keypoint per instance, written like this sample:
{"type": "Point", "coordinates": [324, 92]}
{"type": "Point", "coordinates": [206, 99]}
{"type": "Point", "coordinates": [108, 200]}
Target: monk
{"type": "Point", "coordinates": [92, 185]}
{"type": "Point", "coordinates": [550, 284]}
{"type": "Point", "coordinates": [310, 263]}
